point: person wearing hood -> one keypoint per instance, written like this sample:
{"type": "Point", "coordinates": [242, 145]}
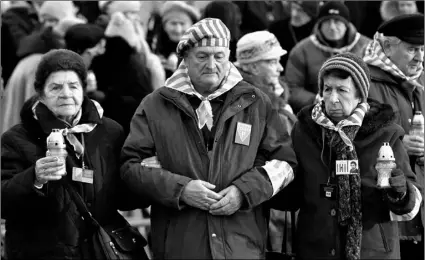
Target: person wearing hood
{"type": "Point", "coordinates": [298, 26]}
{"type": "Point", "coordinates": [347, 215]}
{"type": "Point", "coordinates": [395, 59]}
{"type": "Point", "coordinates": [176, 18]}
{"type": "Point", "coordinates": [332, 34]}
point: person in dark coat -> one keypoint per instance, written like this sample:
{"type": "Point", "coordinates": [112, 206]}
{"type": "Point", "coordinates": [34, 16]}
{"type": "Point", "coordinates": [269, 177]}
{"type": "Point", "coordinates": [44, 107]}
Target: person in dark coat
{"type": "Point", "coordinates": [333, 33]}
{"type": "Point", "coordinates": [208, 150]}
{"type": "Point", "coordinates": [42, 222]}
{"type": "Point", "coordinates": [298, 26]}
{"type": "Point", "coordinates": [343, 215]}
{"type": "Point", "coordinates": [229, 13]}
{"type": "Point", "coordinates": [395, 58]}
{"type": "Point", "coordinates": [18, 21]}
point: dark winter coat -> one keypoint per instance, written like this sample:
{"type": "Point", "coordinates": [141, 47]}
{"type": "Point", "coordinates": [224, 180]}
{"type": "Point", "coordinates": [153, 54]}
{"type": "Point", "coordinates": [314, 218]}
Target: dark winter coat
{"type": "Point", "coordinates": [123, 76]}
{"type": "Point", "coordinates": [45, 223]}
{"type": "Point", "coordinates": [306, 59]}
{"type": "Point", "coordinates": [166, 125]}
{"type": "Point", "coordinates": [318, 232]}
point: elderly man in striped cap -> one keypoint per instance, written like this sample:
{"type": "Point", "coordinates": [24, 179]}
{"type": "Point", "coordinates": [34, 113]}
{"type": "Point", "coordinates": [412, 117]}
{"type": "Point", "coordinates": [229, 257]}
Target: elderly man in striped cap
{"type": "Point", "coordinates": [207, 150]}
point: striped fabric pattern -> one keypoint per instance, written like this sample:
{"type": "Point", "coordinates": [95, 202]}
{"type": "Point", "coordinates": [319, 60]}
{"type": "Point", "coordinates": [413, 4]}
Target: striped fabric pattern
{"type": "Point", "coordinates": [347, 62]}
{"type": "Point", "coordinates": [356, 118]}
{"type": "Point", "coordinates": [181, 82]}
{"type": "Point", "coordinates": [280, 174]}
{"type": "Point", "coordinates": [375, 56]}
{"type": "Point", "coordinates": [411, 214]}
{"type": "Point", "coordinates": [207, 32]}
{"type": "Point", "coordinates": [83, 128]}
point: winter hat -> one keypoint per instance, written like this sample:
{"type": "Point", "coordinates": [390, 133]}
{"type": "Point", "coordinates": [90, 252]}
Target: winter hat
{"type": "Point", "coordinates": [59, 60]}
{"type": "Point", "coordinates": [334, 9]}
{"type": "Point", "coordinates": [309, 7]}
{"type": "Point", "coordinates": [58, 9]}
{"type": "Point", "coordinates": [261, 45]}
{"type": "Point", "coordinates": [207, 32]}
{"type": "Point", "coordinates": [408, 28]}
{"type": "Point", "coordinates": [352, 64]}
{"type": "Point", "coordinates": [123, 6]}
{"type": "Point", "coordinates": [120, 26]}
{"type": "Point", "coordinates": [178, 9]}
{"type": "Point", "coordinates": [62, 27]}
{"type": "Point", "coordinates": [81, 37]}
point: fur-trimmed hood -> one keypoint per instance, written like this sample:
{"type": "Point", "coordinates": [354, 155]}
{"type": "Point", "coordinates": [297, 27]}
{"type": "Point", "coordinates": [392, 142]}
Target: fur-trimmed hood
{"type": "Point", "coordinates": [378, 116]}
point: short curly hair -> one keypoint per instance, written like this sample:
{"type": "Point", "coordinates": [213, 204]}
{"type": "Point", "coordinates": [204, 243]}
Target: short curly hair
{"type": "Point", "coordinates": [59, 60]}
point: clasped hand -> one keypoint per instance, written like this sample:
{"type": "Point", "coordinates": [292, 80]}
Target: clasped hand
{"type": "Point", "coordinates": [49, 168]}
{"type": "Point", "coordinates": [199, 194]}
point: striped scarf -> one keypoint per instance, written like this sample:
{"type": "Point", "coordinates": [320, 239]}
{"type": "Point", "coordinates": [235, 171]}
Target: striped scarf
{"type": "Point", "coordinates": [69, 131]}
{"type": "Point", "coordinates": [375, 56]}
{"type": "Point", "coordinates": [181, 82]}
{"type": "Point", "coordinates": [340, 138]}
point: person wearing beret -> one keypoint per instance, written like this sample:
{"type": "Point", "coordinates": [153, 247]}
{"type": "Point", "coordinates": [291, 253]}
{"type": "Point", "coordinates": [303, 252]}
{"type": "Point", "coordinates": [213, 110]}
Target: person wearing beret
{"type": "Point", "coordinates": [333, 33]}
{"type": "Point", "coordinates": [42, 221]}
{"type": "Point", "coordinates": [343, 214]}
{"type": "Point", "coordinates": [207, 149]}
{"type": "Point", "coordinates": [395, 58]}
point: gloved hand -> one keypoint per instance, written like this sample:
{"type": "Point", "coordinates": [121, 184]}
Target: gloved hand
{"type": "Point", "coordinates": [398, 184]}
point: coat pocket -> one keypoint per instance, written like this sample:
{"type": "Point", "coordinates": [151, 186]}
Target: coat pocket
{"type": "Point", "coordinates": [378, 238]}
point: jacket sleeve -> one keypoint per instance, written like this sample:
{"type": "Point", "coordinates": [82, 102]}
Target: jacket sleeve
{"type": "Point", "coordinates": [17, 181]}
{"type": "Point", "coordinates": [407, 208]}
{"type": "Point", "coordinates": [295, 75]}
{"type": "Point", "coordinates": [157, 184]}
{"type": "Point", "coordinates": [261, 183]}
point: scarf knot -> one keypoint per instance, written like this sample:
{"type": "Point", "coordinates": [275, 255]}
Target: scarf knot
{"type": "Point", "coordinates": [180, 81]}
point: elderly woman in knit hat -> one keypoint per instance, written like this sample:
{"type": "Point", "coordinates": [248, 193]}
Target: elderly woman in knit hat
{"type": "Point", "coordinates": [42, 221]}
{"type": "Point", "coordinates": [176, 18]}
{"type": "Point", "coordinates": [208, 149]}
{"type": "Point", "coordinates": [333, 33]}
{"type": "Point", "coordinates": [347, 215]}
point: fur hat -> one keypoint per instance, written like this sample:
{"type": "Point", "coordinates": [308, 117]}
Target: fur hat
{"type": "Point", "coordinates": [334, 9]}
{"type": "Point", "coordinates": [81, 37]}
{"type": "Point", "coordinates": [172, 9]}
{"type": "Point", "coordinates": [352, 64]}
{"type": "Point", "coordinates": [58, 9]}
{"type": "Point", "coordinates": [59, 60]}
{"type": "Point", "coordinates": [261, 45]}
{"type": "Point", "coordinates": [207, 32]}
{"type": "Point", "coordinates": [407, 27]}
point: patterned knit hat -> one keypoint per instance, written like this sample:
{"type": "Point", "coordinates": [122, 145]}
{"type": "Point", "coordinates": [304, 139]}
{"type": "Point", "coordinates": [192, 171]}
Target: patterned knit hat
{"type": "Point", "coordinates": [261, 45]}
{"type": "Point", "coordinates": [352, 64]}
{"type": "Point", "coordinates": [207, 32]}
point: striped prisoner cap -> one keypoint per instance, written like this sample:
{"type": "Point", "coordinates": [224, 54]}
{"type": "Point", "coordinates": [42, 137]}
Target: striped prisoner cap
{"type": "Point", "coordinates": [207, 32]}
{"type": "Point", "coordinates": [352, 64]}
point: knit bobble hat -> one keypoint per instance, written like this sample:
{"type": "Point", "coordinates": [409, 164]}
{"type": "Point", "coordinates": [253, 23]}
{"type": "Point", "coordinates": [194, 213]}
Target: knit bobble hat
{"type": "Point", "coordinates": [334, 10]}
{"type": "Point", "coordinates": [59, 60]}
{"type": "Point", "coordinates": [352, 64]}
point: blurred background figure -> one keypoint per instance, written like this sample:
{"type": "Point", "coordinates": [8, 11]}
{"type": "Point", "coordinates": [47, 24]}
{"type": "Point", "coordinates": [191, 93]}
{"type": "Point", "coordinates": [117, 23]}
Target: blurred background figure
{"type": "Point", "coordinates": [51, 12]}
{"type": "Point", "coordinates": [130, 9]}
{"type": "Point", "coordinates": [391, 9]}
{"type": "Point", "coordinates": [19, 19]}
{"type": "Point", "coordinates": [333, 33]}
{"type": "Point", "coordinates": [298, 26]}
{"type": "Point", "coordinates": [176, 18]}
{"type": "Point", "coordinates": [229, 13]}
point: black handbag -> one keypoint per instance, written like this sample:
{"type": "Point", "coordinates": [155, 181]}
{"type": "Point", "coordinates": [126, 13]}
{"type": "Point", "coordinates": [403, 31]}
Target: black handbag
{"type": "Point", "coordinates": [108, 242]}
{"type": "Point", "coordinates": [283, 255]}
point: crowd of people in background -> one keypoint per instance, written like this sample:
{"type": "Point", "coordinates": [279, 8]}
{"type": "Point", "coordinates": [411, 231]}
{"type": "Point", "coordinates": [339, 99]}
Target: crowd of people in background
{"type": "Point", "coordinates": [287, 50]}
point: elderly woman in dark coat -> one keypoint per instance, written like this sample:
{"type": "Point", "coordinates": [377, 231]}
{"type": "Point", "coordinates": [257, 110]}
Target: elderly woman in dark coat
{"type": "Point", "coordinates": [42, 221]}
{"type": "Point", "coordinates": [345, 215]}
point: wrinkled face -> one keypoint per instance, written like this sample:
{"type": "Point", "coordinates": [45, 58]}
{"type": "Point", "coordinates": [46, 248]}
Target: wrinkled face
{"type": "Point", "coordinates": [407, 57]}
{"type": "Point", "coordinates": [269, 71]}
{"type": "Point", "coordinates": [298, 16]}
{"type": "Point", "coordinates": [207, 66]}
{"type": "Point", "coordinates": [340, 97]}
{"type": "Point", "coordinates": [333, 29]}
{"type": "Point", "coordinates": [176, 27]}
{"type": "Point", "coordinates": [63, 94]}
{"type": "Point", "coordinates": [407, 7]}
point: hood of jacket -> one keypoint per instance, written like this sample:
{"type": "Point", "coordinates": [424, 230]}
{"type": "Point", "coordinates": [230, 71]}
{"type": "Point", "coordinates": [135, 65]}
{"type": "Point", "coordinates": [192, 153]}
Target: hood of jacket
{"type": "Point", "coordinates": [378, 116]}
{"type": "Point", "coordinates": [351, 38]}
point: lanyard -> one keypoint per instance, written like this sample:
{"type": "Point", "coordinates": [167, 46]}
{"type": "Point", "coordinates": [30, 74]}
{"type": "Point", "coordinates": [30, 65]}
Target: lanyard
{"type": "Point", "coordinates": [83, 166]}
